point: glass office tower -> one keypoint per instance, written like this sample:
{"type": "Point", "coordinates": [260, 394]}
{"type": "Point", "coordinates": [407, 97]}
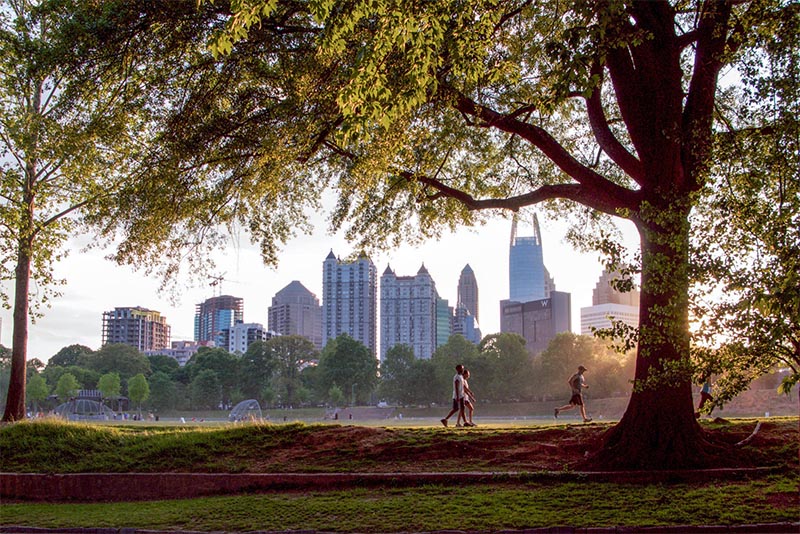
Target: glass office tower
{"type": "Point", "coordinates": [526, 273]}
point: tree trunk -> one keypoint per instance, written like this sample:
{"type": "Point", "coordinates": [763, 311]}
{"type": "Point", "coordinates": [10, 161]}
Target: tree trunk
{"type": "Point", "coordinates": [15, 401]}
{"type": "Point", "coordinates": [659, 430]}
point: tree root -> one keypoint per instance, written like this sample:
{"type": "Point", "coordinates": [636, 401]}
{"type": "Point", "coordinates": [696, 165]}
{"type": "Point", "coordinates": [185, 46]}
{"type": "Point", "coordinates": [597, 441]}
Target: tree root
{"type": "Point", "coordinates": [751, 436]}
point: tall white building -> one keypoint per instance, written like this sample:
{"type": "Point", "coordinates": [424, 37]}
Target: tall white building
{"type": "Point", "coordinates": [609, 305]}
{"type": "Point", "coordinates": [408, 312]}
{"type": "Point", "coordinates": [349, 300]}
{"type": "Point", "coordinates": [242, 335]}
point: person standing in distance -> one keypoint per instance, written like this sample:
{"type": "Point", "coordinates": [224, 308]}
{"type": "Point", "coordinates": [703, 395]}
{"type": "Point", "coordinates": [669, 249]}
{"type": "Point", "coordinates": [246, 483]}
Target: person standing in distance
{"type": "Point", "coordinates": [458, 395]}
{"type": "Point", "coordinates": [576, 383]}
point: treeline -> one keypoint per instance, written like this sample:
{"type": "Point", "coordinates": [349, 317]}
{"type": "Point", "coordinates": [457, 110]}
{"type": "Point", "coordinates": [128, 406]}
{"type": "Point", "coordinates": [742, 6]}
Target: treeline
{"type": "Point", "coordinates": [288, 371]}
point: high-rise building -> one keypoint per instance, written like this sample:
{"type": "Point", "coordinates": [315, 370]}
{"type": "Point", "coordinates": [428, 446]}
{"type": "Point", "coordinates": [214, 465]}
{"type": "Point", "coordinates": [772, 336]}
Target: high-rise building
{"type": "Point", "coordinates": [296, 311]}
{"type": "Point", "coordinates": [605, 293]}
{"type": "Point", "coordinates": [444, 321]}
{"type": "Point", "coordinates": [408, 312]}
{"type": "Point", "coordinates": [214, 316]}
{"type": "Point", "coordinates": [538, 321]}
{"type": "Point", "coordinates": [466, 325]}
{"type": "Point", "coordinates": [468, 291]}
{"type": "Point", "coordinates": [534, 310]}
{"type": "Point", "coordinates": [242, 335]}
{"type": "Point", "coordinates": [603, 316]}
{"type": "Point", "coordinates": [349, 300]}
{"type": "Point", "coordinates": [528, 278]}
{"type": "Point", "coordinates": [609, 305]}
{"type": "Point", "coordinates": [138, 327]}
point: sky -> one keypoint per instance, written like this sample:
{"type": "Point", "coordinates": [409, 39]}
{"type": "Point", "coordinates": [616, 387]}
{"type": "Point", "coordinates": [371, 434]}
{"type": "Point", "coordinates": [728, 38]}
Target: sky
{"type": "Point", "coordinates": [94, 284]}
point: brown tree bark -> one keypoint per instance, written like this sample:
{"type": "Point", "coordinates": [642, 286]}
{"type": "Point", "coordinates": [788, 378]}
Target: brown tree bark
{"type": "Point", "coordinates": [15, 401]}
{"type": "Point", "coordinates": [659, 430]}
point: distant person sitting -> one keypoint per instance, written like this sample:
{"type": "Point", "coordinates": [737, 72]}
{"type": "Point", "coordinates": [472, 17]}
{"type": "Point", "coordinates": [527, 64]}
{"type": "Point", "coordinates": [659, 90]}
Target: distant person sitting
{"type": "Point", "coordinates": [576, 383]}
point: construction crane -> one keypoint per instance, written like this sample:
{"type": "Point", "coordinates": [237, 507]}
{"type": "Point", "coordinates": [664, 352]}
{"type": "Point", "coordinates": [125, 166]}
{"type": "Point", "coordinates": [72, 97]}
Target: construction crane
{"type": "Point", "coordinates": [216, 283]}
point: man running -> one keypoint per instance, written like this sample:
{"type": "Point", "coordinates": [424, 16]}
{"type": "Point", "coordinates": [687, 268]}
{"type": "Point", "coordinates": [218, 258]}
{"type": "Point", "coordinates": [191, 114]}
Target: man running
{"type": "Point", "coordinates": [576, 383]}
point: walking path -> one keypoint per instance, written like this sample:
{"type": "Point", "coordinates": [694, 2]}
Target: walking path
{"type": "Point", "coordinates": [105, 487]}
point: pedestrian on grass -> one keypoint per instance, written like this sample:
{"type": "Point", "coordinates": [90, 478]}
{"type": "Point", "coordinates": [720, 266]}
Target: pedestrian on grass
{"type": "Point", "coordinates": [458, 395]}
{"type": "Point", "coordinates": [576, 383]}
{"type": "Point", "coordinates": [705, 396]}
{"type": "Point", "coordinates": [469, 400]}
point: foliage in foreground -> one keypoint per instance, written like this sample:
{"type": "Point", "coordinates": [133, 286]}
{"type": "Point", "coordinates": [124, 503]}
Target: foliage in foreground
{"type": "Point", "coordinates": [430, 508]}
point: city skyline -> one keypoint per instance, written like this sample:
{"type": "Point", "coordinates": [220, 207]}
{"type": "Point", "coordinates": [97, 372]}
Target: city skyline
{"type": "Point", "coordinates": [95, 285]}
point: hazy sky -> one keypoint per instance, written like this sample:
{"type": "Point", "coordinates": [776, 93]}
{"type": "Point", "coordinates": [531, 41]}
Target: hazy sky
{"type": "Point", "coordinates": [95, 285]}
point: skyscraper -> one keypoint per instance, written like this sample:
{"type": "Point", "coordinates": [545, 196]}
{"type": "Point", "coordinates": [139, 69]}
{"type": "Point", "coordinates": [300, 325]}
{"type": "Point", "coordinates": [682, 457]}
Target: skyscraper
{"type": "Point", "coordinates": [534, 310]}
{"type": "Point", "coordinates": [296, 311]}
{"type": "Point", "coordinates": [527, 276]}
{"type": "Point", "coordinates": [468, 291]}
{"type": "Point", "coordinates": [466, 325]}
{"type": "Point", "coordinates": [444, 321]}
{"type": "Point", "coordinates": [605, 293]}
{"type": "Point", "coordinates": [349, 300]}
{"type": "Point", "coordinates": [215, 315]}
{"type": "Point", "coordinates": [408, 312]}
{"type": "Point", "coordinates": [609, 305]}
{"type": "Point", "coordinates": [538, 321]}
{"type": "Point", "coordinates": [138, 327]}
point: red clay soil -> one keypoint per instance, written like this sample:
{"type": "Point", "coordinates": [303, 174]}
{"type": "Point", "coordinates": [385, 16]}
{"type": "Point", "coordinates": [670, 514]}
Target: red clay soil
{"type": "Point", "coordinates": [367, 449]}
{"type": "Point", "coordinates": [340, 456]}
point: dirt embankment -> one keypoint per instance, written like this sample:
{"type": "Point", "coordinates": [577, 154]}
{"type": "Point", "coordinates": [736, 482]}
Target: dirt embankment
{"type": "Point", "coordinates": [331, 456]}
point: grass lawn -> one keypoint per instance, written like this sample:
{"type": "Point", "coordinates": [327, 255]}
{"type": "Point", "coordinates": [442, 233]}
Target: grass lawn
{"type": "Point", "coordinates": [427, 508]}
{"type": "Point", "coordinates": [56, 447]}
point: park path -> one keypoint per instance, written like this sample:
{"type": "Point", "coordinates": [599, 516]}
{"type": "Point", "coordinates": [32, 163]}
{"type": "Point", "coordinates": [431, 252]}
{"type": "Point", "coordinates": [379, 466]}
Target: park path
{"type": "Point", "coordinates": [105, 487]}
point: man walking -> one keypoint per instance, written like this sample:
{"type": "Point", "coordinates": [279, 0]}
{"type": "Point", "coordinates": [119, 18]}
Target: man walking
{"type": "Point", "coordinates": [458, 395]}
{"type": "Point", "coordinates": [576, 383]}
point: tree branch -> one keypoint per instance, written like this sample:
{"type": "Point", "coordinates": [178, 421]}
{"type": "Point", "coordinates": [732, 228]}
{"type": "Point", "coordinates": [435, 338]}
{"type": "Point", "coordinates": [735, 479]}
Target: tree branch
{"type": "Point", "coordinates": [575, 192]}
{"type": "Point", "coordinates": [629, 97]}
{"type": "Point", "coordinates": [511, 14]}
{"type": "Point", "coordinates": [66, 212]}
{"type": "Point", "coordinates": [699, 110]}
{"type": "Point", "coordinates": [686, 39]}
{"type": "Point", "coordinates": [604, 191]}
{"type": "Point", "coordinates": [605, 137]}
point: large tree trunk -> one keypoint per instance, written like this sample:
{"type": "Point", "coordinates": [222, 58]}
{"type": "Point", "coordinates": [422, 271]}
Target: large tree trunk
{"type": "Point", "coordinates": [659, 430]}
{"type": "Point", "coordinates": [15, 401]}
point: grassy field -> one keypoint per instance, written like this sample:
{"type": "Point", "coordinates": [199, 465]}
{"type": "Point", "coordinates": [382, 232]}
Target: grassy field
{"type": "Point", "coordinates": [296, 447]}
{"type": "Point", "coordinates": [483, 507]}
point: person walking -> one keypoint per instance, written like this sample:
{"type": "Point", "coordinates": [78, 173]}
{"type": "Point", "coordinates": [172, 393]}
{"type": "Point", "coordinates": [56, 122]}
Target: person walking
{"type": "Point", "coordinates": [705, 397]}
{"type": "Point", "coordinates": [576, 382]}
{"type": "Point", "coordinates": [458, 395]}
{"type": "Point", "coordinates": [469, 399]}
